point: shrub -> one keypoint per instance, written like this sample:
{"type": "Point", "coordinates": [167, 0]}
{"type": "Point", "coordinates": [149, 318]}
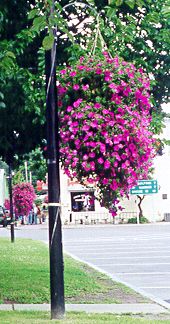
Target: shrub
{"type": "Point", "coordinates": [142, 220]}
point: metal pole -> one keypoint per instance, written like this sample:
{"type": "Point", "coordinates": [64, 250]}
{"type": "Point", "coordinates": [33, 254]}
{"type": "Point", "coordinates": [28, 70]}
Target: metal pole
{"type": "Point", "coordinates": [11, 204]}
{"type": "Point", "coordinates": [55, 233]}
{"type": "Point", "coordinates": [30, 177]}
{"type": "Point", "coordinates": [26, 171]}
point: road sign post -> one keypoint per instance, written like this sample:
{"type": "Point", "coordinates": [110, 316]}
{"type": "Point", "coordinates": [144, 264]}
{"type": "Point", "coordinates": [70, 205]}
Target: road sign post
{"type": "Point", "coordinates": [145, 187]}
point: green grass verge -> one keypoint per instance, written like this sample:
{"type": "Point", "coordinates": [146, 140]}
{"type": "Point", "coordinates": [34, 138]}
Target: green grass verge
{"type": "Point", "coordinates": [14, 317]}
{"type": "Point", "coordinates": [24, 277]}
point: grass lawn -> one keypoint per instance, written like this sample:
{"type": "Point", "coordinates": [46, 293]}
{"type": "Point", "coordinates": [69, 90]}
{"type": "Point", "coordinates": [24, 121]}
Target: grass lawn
{"type": "Point", "coordinates": [24, 278]}
{"type": "Point", "coordinates": [72, 318]}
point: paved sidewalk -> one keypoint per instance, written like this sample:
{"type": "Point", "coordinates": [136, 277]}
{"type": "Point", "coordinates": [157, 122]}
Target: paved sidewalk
{"type": "Point", "coordinates": [93, 308]}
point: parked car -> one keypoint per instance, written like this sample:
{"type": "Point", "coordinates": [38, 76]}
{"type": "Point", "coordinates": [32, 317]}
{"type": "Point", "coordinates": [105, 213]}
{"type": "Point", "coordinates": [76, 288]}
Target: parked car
{"type": "Point", "coordinates": [5, 218]}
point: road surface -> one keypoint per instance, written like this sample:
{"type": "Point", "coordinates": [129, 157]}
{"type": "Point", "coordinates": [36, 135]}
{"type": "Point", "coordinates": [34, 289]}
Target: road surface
{"type": "Point", "coordinates": [138, 255]}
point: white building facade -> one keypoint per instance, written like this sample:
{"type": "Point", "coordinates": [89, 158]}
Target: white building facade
{"type": "Point", "coordinates": [156, 207]}
{"type": "Point", "coordinates": [79, 205]}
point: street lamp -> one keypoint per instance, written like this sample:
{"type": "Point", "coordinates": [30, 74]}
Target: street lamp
{"type": "Point", "coordinates": [11, 203]}
{"type": "Point", "coordinates": [55, 233]}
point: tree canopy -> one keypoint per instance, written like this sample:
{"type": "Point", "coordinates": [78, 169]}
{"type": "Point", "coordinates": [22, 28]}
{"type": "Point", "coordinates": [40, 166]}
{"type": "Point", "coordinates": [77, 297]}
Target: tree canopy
{"type": "Point", "coordinates": [135, 30]}
{"type": "Point", "coordinates": [22, 98]}
{"type": "Point", "coordinates": [36, 164]}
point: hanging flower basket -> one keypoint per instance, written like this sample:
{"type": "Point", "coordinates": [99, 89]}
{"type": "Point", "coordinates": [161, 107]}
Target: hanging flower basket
{"type": "Point", "coordinates": [104, 125]}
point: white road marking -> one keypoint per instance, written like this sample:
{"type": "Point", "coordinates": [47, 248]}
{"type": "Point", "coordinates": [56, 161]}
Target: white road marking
{"type": "Point", "coordinates": [114, 253]}
{"type": "Point", "coordinates": [131, 257]}
{"type": "Point", "coordinates": [103, 247]}
{"type": "Point", "coordinates": [132, 264]}
{"type": "Point", "coordinates": [142, 273]}
{"type": "Point", "coordinates": [132, 241]}
{"type": "Point", "coordinates": [117, 239]}
{"type": "Point", "coordinates": [148, 287]}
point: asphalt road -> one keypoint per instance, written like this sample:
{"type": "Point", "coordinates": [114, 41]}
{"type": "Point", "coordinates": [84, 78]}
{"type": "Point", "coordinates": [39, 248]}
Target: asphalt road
{"type": "Point", "coordinates": [138, 255]}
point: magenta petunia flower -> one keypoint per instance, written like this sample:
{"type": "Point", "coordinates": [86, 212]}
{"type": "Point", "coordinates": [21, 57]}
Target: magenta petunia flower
{"type": "Point", "coordinates": [97, 105]}
{"type": "Point", "coordinates": [85, 157]}
{"type": "Point", "coordinates": [105, 181]}
{"type": "Point", "coordinates": [81, 67]}
{"type": "Point", "coordinates": [63, 72]}
{"type": "Point", "coordinates": [85, 87]}
{"type": "Point", "coordinates": [76, 87]}
{"type": "Point", "coordinates": [77, 103]}
{"type": "Point", "coordinates": [73, 73]}
{"type": "Point", "coordinates": [99, 71]}
{"type": "Point", "coordinates": [92, 154]}
{"type": "Point", "coordinates": [100, 160]}
{"type": "Point", "coordinates": [69, 108]}
{"type": "Point", "coordinates": [107, 164]}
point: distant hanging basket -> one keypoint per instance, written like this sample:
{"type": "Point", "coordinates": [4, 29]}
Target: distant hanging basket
{"type": "Point", "coordinates": [104, 125]}
{"type": "Point", "coordinates": [39, 185]}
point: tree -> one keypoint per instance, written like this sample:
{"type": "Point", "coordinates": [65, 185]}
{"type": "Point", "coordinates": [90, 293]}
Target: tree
{"type": "Point", "coordinates": [135, 30]}
{"type": "Point", "coordinates": [138, 32]}
{"type": "Point", "coordinates": [139, 206]}
{"type": "Point", "coordinates": [36, 164]}
{"type": "Point", "coordinates": [20, 70]}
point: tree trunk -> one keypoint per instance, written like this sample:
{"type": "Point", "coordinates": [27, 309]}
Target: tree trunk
{"type": "Point", "coordinates": [139, 205]}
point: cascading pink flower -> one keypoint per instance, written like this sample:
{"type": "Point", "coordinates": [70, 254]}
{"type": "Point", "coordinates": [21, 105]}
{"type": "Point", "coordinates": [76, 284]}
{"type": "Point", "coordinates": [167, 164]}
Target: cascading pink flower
{"type": "Point", "coordinates": [104, 122]}
{"type": "Point", "coordinates": [23, 198]}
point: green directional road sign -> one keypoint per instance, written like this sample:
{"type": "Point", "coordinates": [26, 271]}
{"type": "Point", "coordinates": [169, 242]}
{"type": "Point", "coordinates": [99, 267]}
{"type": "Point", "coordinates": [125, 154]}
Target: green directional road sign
{"type": "Point", "coordinates": [145, 187]}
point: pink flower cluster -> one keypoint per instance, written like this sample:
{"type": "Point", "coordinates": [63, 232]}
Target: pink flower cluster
{"type": "Point", "coordinates": [23, 198]}
{"type": "Point", "coordinates": [104, 125]}
{"type": "Point", "coordinates": [7, 204]}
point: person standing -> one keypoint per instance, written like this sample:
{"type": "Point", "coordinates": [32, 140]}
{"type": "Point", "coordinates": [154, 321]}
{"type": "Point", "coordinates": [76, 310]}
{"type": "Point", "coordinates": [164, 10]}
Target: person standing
{"type": "Point", "coordinates": [35, 213]}
{"type": "Point", "coordinates": [39, 215]}
{"type": "Point", "coordinates": [30, 220]}
{"type": "Point", "coordinates": [44, 213]}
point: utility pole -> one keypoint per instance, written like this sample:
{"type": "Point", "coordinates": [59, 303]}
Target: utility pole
{"type": "Point", "coordinates": [55, 233]}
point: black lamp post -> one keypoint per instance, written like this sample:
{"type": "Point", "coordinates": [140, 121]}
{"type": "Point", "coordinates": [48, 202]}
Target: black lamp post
{"type": "Point", "coordinates": [55, 233]}
{"type": "Point", "coordinates": [11, 203]}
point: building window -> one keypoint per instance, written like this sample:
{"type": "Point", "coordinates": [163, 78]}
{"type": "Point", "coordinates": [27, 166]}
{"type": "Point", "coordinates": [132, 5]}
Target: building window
{"type": "Point", "coordinates": [164, 196]}
{"type": "Point", "coordinates": [82, 201]}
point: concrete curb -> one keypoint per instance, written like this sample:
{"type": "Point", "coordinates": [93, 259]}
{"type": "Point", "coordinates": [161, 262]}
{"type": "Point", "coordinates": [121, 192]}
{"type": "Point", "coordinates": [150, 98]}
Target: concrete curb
{"type": "Point", "coordinates": [92, 308]}
{"type": "Point", "coordinates": [6, 307]}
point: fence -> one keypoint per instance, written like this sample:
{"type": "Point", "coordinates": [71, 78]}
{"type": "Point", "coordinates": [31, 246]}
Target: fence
{"type": "Point", "coordinates": [124, 216]}
{"type": "Point", "coordinates": [91, 218]}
